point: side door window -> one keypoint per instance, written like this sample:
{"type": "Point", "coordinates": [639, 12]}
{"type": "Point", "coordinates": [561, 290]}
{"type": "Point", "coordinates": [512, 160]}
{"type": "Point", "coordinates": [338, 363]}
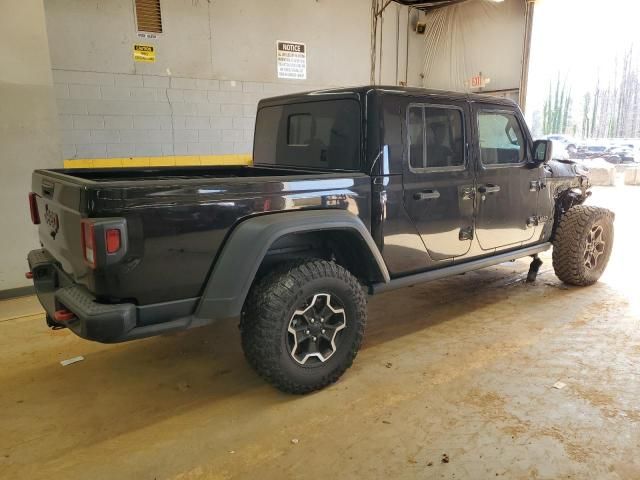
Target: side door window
{"type": "Point", "coordinates": [415, 122]}
{"type": "Point", "coordinates": [436, 139]}
{"type": "Point", "coordinates": [501, 139]}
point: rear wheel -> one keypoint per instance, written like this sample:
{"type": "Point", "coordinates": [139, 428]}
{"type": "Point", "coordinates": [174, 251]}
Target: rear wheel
{"type": "Point", "coordinates": [303, 324]}
{"type": "Point", "coordinates": [582, 244]}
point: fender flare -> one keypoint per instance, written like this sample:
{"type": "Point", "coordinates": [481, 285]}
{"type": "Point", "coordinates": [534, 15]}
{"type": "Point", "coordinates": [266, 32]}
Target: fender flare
{"type": "Point", "coordinates": [564, 200]}
{"type": "Point", "coordinates": [245, 248]}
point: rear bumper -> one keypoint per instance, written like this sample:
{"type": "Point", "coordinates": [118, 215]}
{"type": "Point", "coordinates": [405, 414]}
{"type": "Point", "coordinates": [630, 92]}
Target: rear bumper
{"type": "Point", "coordinates": [106, 323]}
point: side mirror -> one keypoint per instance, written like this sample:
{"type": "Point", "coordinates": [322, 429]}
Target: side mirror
{"type": "Point", "coordinates": [542, 151]}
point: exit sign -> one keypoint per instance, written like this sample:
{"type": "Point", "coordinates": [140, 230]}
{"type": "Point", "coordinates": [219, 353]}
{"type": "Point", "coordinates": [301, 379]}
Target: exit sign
{"type": "Point", "coordinates": [479, 81]}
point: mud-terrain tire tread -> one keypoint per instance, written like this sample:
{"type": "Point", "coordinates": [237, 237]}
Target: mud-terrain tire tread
{"type": "Point", "coordinates": [267, 306]}
{"type": "Point", "coordinates": [570, 240]}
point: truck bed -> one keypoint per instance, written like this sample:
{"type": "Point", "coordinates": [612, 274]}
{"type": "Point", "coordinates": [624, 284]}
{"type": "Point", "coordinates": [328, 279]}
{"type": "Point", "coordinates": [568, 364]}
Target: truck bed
{"type": "Point", "coordinates": [103, 175]}
{"type": "Point", "coordinates": [174, 173]}
{"type": "Point", "coordinates": [177, 219]}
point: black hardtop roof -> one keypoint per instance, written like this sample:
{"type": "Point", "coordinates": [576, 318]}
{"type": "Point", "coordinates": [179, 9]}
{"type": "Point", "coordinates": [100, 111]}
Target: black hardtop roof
{"type": "Point", "coordinates": [354, 92]}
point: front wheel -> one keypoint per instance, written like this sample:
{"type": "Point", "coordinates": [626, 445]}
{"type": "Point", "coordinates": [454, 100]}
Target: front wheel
{"type": "Point", "coordinates": [582, 244]}
{"type": "Point", "coordinates": [303, 324]}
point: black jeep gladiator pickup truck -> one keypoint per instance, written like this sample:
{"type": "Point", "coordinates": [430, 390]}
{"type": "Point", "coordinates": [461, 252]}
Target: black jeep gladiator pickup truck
{"type": "Point", "coordinates": [352, 191]}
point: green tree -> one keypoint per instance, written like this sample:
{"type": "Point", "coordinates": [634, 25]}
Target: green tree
{"type": "Point", "coordinates": [586, 110]}
{"type": "Point", "coordinates": [556, 108]}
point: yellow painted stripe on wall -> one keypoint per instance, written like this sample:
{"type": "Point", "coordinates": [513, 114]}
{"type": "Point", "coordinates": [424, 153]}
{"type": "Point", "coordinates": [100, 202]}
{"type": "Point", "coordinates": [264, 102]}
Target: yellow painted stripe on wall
{"type": "Point", "coordinates": [167, 161]}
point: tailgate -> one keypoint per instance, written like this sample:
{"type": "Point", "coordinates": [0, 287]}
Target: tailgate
{"type": "Point", "coordinates": [59, 206]}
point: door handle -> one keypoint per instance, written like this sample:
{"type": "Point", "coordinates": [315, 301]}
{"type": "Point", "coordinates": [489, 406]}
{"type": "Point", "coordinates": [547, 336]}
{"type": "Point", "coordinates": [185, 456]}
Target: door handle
{"type": "Point", "coordinates": [489, 188]}
{"type": "Point", "coordinates": [427, 195]}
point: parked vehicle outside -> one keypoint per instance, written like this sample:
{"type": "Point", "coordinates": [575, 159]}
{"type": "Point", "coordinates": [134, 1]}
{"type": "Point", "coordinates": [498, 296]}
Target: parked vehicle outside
{"type": "Point", "coordinates": [559, 150]}
{"type": "Point", "coordinates": [590, 151]}
{"type": "Point", "coordinates": [625, 153]}
{"type": "Point", "coordinates": [570, 144]}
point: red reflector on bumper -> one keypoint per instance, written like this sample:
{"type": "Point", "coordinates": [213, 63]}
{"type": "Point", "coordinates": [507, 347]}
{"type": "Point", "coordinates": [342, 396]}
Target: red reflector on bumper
{"type": "Point", "coordinates": [63, 315]}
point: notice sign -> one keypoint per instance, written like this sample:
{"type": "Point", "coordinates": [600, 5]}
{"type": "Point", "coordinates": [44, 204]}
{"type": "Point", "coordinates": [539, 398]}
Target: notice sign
{"type": "Point", "coordinates": [144, 53]}
{"type": "Point", "coordinates": [292, 60]}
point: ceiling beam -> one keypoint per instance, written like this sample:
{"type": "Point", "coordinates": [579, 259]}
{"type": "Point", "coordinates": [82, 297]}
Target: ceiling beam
{"type": "Point", "coordinates": [428, 5]}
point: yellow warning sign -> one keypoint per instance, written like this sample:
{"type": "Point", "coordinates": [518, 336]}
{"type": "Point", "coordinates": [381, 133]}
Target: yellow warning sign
{"type": "Point", "coordinates": [144, 53]}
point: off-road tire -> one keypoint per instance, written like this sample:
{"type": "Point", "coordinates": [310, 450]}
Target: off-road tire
{"type": "Point", "coordinates": [571, 242]}
{"type": "Point", "coordinates": [268, 311]}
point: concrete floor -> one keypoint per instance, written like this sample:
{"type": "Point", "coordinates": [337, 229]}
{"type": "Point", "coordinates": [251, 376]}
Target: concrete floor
{"type": "Point", "coordinates": [462, 367]}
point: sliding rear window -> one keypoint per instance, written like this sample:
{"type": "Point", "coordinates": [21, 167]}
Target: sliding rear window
{"type": "Point", "coordinates": [323, 135]}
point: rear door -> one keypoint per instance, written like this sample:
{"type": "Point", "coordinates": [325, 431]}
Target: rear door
{"type": "Point", "coordinates": [438, 178]}
{"type": "Point", "coordinates": [507, 183]}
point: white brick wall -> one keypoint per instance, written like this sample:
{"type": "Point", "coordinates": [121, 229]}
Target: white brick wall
{"type": "Point", "coordinates": [122, 115]}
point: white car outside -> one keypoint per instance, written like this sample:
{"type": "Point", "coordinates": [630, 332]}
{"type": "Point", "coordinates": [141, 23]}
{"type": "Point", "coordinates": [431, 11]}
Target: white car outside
{"type": "Point", "coordinates": [559, 151]}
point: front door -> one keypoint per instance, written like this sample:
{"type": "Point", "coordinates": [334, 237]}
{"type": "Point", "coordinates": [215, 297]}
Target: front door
{"type": "Point", "coordinates": [438, 178]}
{"type": "Point", "coordinates": [507, 182]}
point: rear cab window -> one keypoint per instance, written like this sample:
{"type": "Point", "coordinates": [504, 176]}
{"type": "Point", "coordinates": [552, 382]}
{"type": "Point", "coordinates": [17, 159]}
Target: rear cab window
{"type": "Point", "coordinates": [501, 139]}
{"type": "Point", "coordinates": [318, 135]}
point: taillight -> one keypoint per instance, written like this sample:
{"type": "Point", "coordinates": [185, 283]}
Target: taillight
{"type": "Point", "coordinates": [113, 240]}
{"type": "Point", "coordinates": [33, 207]}
{"type": "Point", "coordinates": [89, 243]}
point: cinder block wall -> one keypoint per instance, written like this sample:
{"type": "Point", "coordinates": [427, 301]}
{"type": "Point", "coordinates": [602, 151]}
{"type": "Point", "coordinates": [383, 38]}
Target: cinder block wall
{"type": "Point", "coordinates": [106, 115]}
{"type": "Point", "coordinates": [214, 61]}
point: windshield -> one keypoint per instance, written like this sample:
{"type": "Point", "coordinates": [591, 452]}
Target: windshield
{"type": "Point", "coordinates": [323, 135]}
